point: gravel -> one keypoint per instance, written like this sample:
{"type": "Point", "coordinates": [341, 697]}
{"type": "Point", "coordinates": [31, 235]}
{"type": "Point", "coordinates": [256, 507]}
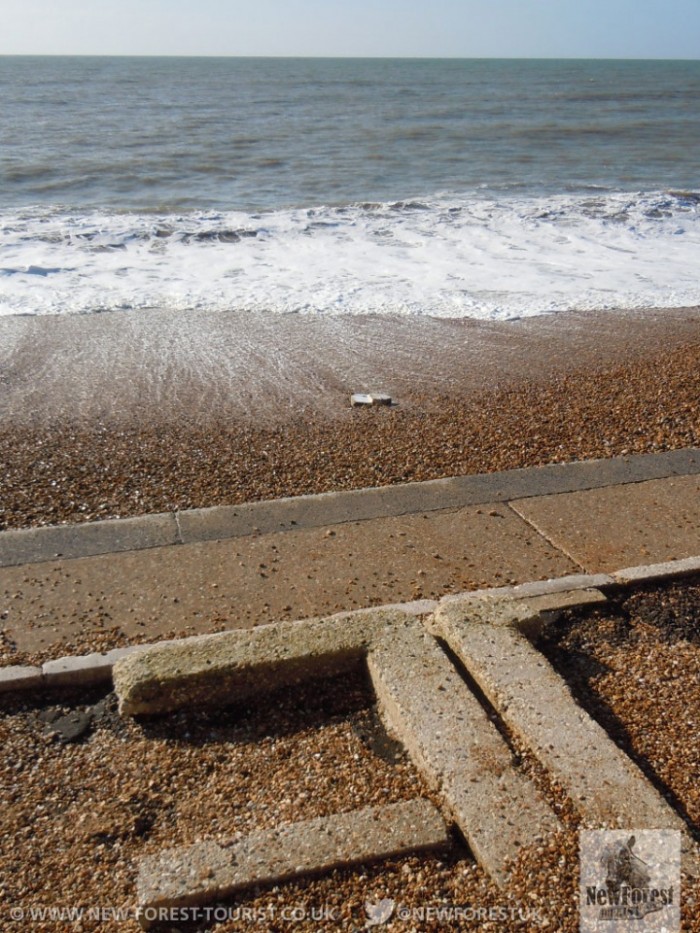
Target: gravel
{"type": "Point", "coordinates": [634, 664]}
{"type": "Point", "coordinates": [82, 809]}
{"type": "Point", "coordinates": [76, 471]}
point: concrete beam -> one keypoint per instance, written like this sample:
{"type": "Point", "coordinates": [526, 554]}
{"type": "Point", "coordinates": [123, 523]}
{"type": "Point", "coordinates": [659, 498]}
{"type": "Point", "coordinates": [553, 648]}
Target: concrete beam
{"type": "Point", "coordinates": [211, 870]}
{"type": "Point", "coordinates": [534, 702]}
{"type": "Point", "coordinates": [450, 738]}
{"type": "Point", "coordinates": [232, 665]}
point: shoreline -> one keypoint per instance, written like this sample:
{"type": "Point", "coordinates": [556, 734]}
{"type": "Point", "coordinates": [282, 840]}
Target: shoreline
{"type": "Point", "coordinates": [496, 399]}
{"type": "Point", "coordinates": [158, 367]}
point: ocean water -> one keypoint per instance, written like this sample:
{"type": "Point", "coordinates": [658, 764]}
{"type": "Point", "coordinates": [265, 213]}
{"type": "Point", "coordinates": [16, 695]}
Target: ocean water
{"type": "Point", "coordinates": [489, 189]}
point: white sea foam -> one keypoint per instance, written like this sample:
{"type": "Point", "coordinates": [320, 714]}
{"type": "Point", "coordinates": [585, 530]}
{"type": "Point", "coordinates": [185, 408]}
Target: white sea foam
{"type": "Point", "coordinates": [446, 256]}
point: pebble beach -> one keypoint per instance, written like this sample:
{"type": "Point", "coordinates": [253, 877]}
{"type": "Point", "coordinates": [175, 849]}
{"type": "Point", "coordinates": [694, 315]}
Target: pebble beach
{"type": "Point", "coordinates": [149, 789]}
{"type": "Point", "coordinates": [89, 431]}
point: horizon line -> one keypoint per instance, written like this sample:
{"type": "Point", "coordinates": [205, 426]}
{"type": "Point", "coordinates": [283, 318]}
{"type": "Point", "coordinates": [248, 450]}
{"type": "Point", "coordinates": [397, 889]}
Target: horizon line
{"type": "Point", "coordinates": [521, 58]}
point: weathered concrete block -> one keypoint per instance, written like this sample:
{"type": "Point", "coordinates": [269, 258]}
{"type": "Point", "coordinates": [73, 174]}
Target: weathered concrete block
{"type": "Point", "coordinates": [210, 870]}
{"type": "Point", "coordinates": [528, 613]}
{"type": "Point", "coordinates": [233, 665]}
{"type": "Point", "coordinates": [534, 701]}
{"type": "Point", "coordinates": [16, 677]}
{"type": "Point", "coordinates": [449, 736]}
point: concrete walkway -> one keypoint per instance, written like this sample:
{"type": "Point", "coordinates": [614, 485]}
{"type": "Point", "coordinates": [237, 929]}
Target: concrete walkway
{"type": "Point", "coordinates": [228, 567]}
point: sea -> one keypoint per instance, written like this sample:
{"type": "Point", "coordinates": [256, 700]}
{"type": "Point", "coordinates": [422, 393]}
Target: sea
{"type": "Point", "coordinates": [450, 188]}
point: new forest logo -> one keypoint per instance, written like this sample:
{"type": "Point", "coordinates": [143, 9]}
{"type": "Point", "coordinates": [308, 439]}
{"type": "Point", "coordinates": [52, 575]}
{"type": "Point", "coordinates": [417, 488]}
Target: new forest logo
{"type": "Point", "coordinates": [630, 881]}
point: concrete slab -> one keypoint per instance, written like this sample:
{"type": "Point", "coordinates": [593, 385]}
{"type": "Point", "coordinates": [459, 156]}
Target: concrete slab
{"type": "Point", "coordinates": [606, 787]}
{"type": "Point", "coordinates": [451, 739]}
{"type": "Point", "coordinates": [242, 582]}
{"type": "Point", "coordinates": [32, 545]}
{"type": "Point", "coordinates": [84, 540]}
{"type": "Point", "coordinates": [621, 526]}
{"type": "Point", "coordinates": [223, 668]}
{"type": "Point", "coordinates": [211, 870]}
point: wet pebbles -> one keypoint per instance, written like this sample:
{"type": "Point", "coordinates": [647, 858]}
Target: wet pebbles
{"type": "Point", "coordinates": [74, 472]}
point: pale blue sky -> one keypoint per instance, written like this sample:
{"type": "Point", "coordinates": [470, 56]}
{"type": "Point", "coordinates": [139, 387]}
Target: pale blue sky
{"type": "Point", "coordinates": [433, 28]}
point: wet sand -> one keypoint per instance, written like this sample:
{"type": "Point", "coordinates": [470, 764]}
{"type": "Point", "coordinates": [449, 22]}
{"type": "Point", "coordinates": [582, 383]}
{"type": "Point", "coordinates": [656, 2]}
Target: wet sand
{"type": "Point", "coordinates": [112, 415]}
{"type": "Point", "coordinates": [158, 367]}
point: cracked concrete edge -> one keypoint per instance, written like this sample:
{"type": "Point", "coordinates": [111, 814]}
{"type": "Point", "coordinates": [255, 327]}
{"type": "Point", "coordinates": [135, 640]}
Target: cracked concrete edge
{"type": "Point", "coordinates": [537, 706]}
{"type": "Point", "coordinates": [448, 735]}
{"type": "Point", "coordinates": [211, 870]}
{"type": "Point", "coordinates": [34, 545]}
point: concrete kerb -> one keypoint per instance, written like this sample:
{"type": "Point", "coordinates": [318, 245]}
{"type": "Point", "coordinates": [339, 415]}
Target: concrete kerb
{"type": "Point", "coordinates": [85, 670]}
{"type": "Point", "coordinates": [33, 545]}
{"type": "Point", "coordinates": [658, 572]}
{"type": "Point", "coordinates": [64, 542]}
{"type": "Point", "coordinates": [424, 702]}
{"type": "Point", "coordinates": [210, 870]}
{"type": "Point", "coordinates": [15, 678]}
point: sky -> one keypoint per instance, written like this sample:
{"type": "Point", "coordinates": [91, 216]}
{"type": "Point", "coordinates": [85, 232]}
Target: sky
{"type": "Point", "coordinates": [403, 28]}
